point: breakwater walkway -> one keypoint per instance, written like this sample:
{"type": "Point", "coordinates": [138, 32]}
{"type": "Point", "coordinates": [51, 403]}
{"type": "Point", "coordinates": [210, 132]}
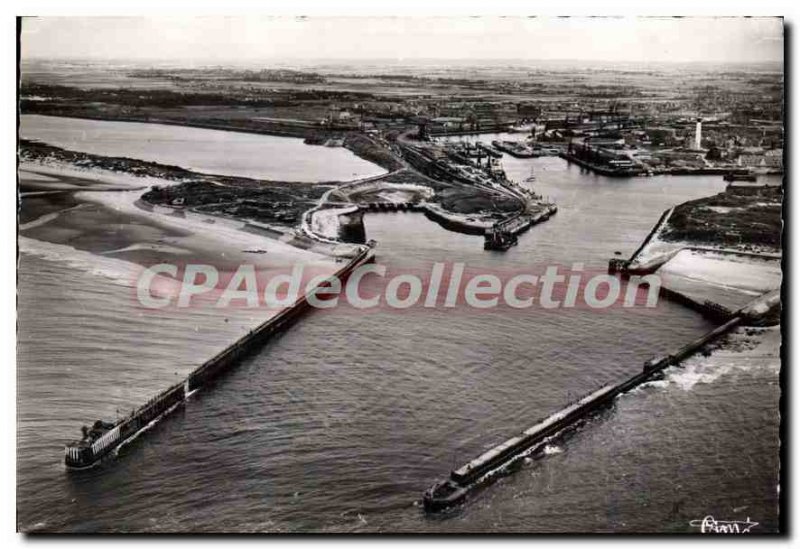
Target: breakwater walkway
{"type": "Point", "coordinates": [102, 438]}
{"type": "Point", "coordinates": [502, 458]}
{"type": "Point", "coordinates": [646, 261]}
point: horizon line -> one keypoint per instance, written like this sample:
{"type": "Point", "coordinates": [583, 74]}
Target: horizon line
{"type": "Point", "coordinates": [215, 62]}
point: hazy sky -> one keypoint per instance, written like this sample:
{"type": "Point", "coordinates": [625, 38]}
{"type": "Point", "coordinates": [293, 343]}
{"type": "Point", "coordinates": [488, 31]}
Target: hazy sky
{"type": "Point", "coordinates": [248, 39]}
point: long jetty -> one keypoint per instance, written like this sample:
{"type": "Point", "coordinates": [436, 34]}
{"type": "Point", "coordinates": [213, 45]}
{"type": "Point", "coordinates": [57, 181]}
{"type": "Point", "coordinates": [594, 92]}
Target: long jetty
{"type": "Point", "coordinates": [601, 170]}
{"type": "Point", "coordinates": [103, 438]}
{"type": "Point", "coordinates": [634, 266]}
{"type": "Point", "coordinates": [484, 469]}
{"type": "Point", "coordinates": [503, 234]}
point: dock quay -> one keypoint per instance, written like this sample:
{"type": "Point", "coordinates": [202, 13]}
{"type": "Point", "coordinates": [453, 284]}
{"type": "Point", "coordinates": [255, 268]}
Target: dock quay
{"type": "Point", "coordinates": [491, 151]}
{"type": "Point", "coordinates": [483, 129]}
{"type": "Point", "coordinates": [599, 169]}
{"type": "Point", "coordinates": [454, 223]}
{"type": "Point", "coordinates": [483, 470]}
{"type": "Point", "coordinates": [515, 149]}
{"type": "Point", "coordinates": [623, 266]}
{"type": "Point", "coordinates": [502, 235]}
{"type": "Point", "coordinates": [102, 438]}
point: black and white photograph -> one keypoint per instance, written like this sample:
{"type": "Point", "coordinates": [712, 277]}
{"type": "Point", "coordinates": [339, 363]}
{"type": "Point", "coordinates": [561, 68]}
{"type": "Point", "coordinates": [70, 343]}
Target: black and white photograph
{"type": "Point", "coordinates": [446, 274]}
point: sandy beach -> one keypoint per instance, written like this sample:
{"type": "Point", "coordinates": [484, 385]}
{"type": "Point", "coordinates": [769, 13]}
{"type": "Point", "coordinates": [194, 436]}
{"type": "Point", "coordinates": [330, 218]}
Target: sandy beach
{"type": "Point", "coordinates": [73, 211]}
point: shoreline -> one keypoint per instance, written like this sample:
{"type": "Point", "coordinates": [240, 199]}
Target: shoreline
{"type": "Point", "coordinates": [722, 344]}
{"type": "Point", "coordinates": [299, 200]}
{"type": "Point", "coordinates": [112, 223]}
{"type": "Point", "coordinates": [293, 216]}
{"type": "Point", "coordinates": [358, 148]}
{"type": "Point", "coordinates": [715, 279]}
{"type": "Point", "coordinates": [611, 172]}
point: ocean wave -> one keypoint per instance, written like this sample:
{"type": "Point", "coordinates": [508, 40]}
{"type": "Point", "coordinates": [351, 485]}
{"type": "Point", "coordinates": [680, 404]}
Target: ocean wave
{"type": "Point", "coordinates": [689, 375]}
{"type": "Point", "coordinates": [706, 371]}
{"type": "Point", "coordinates": [656, 383]}
{"type": "Point", "coordinates": [46, 218]}
{"type": "Point", "coordinates": [118, 271]}
{"type": "Point", "coordinates": [552, 449]}
{"type": "Point", "coordinates": [148, 246]}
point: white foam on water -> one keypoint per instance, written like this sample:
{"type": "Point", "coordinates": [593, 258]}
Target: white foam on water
{"type": "Point", "coordinates": [145, 246]}
{"type": "Point", "coordinates": [551, 450]}
{"type": "Point", "coordinates": [656, 383]}
{"type": "Point", "coordinates": [118, 271]}
{"type": "Point", "coordinates": [147, 427]}
{"type": "Point", "coordinates": [692, 373]}
{"type": "Point", "coordinates": [46, 218]}
{"type": "Point", "coordinates": [765, 355]}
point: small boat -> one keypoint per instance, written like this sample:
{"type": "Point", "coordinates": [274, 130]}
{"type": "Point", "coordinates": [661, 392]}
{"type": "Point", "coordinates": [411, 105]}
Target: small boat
{"type": "Point", "coordinates": [258, 251]}
{"type": "Point", "coordinates": [531, 178]}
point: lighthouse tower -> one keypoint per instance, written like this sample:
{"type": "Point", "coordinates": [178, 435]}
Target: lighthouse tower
{"type": "Point", "coordinates": [698, 134]}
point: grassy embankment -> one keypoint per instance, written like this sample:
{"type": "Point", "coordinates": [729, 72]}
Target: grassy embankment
{"type": "Point", "coordinates": [267, 201]}
{"type": "Point", "coordinates": [751, 221]}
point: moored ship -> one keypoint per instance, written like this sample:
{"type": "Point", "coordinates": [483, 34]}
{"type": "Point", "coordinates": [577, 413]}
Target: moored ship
{"type": "Point", "coordinates": [491, 151]}
{"type": "Point", "coordinates": [514, 148]}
